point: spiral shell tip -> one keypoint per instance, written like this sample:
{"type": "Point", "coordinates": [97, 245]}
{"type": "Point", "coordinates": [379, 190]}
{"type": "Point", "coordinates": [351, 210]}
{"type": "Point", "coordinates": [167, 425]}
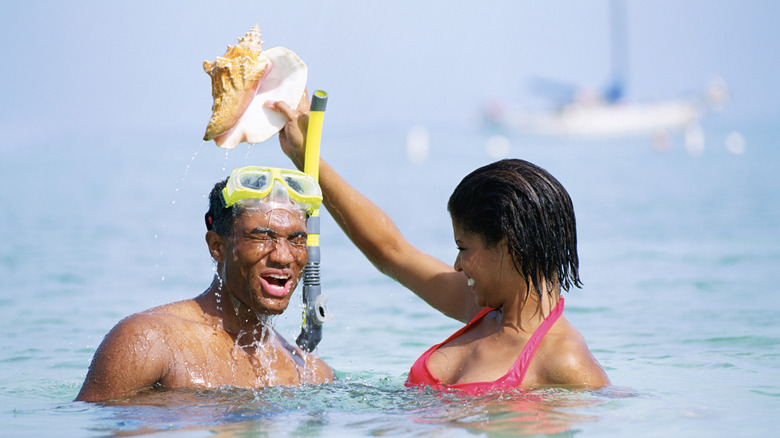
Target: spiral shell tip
{"type": "Point", "coordinates": [251, 39]}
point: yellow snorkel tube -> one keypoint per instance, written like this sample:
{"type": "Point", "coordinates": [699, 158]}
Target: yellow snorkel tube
{"type": "Point", "coordinates": [315, 311]}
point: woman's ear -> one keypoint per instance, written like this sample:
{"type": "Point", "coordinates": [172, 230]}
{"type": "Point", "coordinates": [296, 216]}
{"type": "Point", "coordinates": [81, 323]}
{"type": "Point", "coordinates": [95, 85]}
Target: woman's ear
{"type": "Point", "coordinates": [214, 242]}
{"type": "Point", "coordinates": [503, 246]}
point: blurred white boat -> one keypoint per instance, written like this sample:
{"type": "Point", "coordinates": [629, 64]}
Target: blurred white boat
{"type": "Point", "coordinates": [601, 118]}
{"type": "Point", "coordinates": [618, 119]}
{"type": "Point", "coordinates": [608, 113]}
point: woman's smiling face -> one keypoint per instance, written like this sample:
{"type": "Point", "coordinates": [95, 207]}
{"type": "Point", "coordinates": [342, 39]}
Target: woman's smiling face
{"type": "Point", "coordinates": [489, 270]}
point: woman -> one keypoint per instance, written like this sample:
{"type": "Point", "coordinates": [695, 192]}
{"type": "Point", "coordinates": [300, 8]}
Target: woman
{"type": "Point", "coordinates": [514, 227]}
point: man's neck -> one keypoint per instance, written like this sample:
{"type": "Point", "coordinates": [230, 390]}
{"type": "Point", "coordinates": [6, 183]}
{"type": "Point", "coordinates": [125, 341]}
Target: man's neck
{"type": "Point", "coordinates": [235, 317]}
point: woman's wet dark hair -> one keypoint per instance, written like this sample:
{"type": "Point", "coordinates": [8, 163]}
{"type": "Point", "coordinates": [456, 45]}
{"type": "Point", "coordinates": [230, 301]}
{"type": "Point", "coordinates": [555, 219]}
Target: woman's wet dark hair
{"type": "Point", "coordinates": [219, 218]}
{"type": "Point", "coordinates": [522, 202]}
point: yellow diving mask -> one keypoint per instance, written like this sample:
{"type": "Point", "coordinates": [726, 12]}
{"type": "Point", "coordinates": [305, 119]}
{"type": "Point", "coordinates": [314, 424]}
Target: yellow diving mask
{"type": "Point", "coordinates": [257, 182]}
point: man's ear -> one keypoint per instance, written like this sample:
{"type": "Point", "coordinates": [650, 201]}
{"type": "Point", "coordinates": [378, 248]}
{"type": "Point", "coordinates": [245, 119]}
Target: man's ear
{"type": "Point", "coordinates": [214, 242]}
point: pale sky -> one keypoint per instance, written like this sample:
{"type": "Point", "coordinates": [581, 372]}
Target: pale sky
{"type": "Point", "coordinates": [91, 67]}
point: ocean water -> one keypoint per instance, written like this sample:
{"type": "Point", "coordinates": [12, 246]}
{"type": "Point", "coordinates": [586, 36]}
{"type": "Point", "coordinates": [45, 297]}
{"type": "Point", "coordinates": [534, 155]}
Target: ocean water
{"type": "Point", "coordinates": [679, 256]}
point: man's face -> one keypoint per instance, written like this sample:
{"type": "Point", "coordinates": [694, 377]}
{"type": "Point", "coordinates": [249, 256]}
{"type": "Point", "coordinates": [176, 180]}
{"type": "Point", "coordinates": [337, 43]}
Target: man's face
{"type": "Point", "coordinates": [264, 258]}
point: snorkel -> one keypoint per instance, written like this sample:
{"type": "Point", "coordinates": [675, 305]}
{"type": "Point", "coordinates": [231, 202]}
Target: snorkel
{"type": "Point", "coordinates": [315, 311]}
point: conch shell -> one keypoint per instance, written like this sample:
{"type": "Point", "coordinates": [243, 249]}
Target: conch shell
{"type": "Point", "coordinates": [242, 80]}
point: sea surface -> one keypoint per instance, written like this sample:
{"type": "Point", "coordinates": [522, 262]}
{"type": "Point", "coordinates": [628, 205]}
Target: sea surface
{"type": "Point", "coordinates": [679, 250]}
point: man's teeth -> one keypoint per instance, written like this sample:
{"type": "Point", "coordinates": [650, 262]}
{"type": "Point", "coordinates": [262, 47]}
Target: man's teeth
{"type": "Point", "coordinates": [470, 282]}
{"type": "Point", "coordinates": [277, 279]}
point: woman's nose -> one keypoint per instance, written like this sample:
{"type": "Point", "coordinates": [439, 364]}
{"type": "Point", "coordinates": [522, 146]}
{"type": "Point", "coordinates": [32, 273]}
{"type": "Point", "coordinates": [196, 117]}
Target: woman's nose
{"type": "Point", "coordinates": [457, 265]}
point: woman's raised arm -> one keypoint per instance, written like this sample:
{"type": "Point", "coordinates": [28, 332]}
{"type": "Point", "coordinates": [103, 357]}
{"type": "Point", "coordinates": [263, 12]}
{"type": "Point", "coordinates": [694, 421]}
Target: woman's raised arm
{"type": "Point", "coordinates": [375, 234]}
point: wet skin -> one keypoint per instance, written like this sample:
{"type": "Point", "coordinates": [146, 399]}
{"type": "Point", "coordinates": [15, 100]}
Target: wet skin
{"type": "Point", "coordinates": [488, 349]}
{"type": "Point", "coordinates": [222, 337]}
{"type": "Point", "coordinates": [263, 259]}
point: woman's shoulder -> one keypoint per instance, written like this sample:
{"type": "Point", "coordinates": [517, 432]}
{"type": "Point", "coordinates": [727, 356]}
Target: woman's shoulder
{"type": "Point", "coordinates": [568, 360]}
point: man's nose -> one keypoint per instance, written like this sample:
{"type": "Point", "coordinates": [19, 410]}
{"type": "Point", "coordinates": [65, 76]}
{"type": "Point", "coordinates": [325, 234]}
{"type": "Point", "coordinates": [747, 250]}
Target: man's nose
{"type": "Point", "coordinates": [282, 252]}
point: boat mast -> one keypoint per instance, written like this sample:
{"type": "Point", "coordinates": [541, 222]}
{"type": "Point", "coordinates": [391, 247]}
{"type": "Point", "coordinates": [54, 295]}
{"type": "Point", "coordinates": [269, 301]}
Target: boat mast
{"type": "Point", "coordinates": [619, 51]}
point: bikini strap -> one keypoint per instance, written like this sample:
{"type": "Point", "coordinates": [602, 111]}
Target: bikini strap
{"type": "Point", "coordinates": [520, 367]}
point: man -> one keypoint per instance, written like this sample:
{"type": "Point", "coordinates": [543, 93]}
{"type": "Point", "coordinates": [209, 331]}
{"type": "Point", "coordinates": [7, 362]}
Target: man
{"type": "Point", "coordinates": [257, 236]}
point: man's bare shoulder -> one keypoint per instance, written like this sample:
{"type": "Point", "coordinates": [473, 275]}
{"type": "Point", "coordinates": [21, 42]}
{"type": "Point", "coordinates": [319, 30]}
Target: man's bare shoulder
{"type": "Point", "coordinates": [161, 321]}
{"type": "Point", "coordinates": [178, 312]}
{"type": "Point", "coordinates": [136, 352]}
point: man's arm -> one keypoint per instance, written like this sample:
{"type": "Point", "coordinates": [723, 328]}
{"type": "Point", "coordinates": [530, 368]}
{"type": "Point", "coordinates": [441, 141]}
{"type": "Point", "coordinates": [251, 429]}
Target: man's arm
{"type": "Point", "coordinates": [132, 357]}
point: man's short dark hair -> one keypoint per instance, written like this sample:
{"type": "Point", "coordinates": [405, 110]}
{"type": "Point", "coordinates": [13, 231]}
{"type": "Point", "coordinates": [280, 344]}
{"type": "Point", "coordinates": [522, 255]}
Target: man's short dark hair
{"type": "Point", "coordinates": [219, 218]}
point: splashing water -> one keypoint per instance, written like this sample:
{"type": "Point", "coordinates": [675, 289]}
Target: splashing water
{"type": "Point", "coordinates": [220, 276]}
{"type": "Point", "coordinates": [187, 170]}
{"type": "Point", "coordinates": [192, 159]}
{"type": "Point", "coordinates": [227, 155]}
{"type": "Point", "coordinates": [309, 369]}
{"type": "Point", "coordinates": [218, 297]}
{"type": "Point", "coordinates": [261, 347]}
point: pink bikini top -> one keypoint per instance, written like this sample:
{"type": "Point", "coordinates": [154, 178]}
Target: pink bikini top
{"type": "Point", "coordinates": [421, 376]}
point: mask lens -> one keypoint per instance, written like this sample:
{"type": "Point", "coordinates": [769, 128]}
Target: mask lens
{"type": "Point", "coordinates": [303, 185]}
{"type": "Point", "coordinates": [295, 184]}
{"type": "Point", "coordinates": [254, 181]}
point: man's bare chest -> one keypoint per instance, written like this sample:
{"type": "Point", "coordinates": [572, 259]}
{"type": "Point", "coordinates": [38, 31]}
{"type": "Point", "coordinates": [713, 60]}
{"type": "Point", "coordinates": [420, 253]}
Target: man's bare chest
{"type": "Point", "coordinates": [213, 361]}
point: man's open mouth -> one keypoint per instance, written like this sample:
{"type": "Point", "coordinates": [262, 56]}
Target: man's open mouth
{"type": "Point", "coordinates": [277, 285]}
